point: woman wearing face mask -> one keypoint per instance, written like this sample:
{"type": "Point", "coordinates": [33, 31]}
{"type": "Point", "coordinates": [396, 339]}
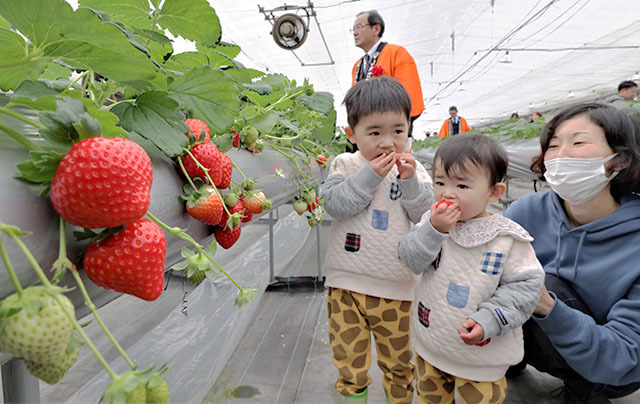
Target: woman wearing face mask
{"type": "Point", "coordinates": [586, 326]}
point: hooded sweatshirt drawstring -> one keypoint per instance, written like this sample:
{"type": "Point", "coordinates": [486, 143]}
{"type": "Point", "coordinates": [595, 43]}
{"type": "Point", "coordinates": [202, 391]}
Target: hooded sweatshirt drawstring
{"type": "Point", "coordinates": [557, 259]}
{"type": "Point", "coordinates": [583, 235]}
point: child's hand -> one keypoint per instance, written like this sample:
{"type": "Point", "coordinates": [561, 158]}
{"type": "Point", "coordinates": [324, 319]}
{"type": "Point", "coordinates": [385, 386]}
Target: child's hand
{"type": "Point", "coordinates": [471, 332]}
{"type": "Point", "coordinates": [406, 165]}
{"type": "Point", "coordinates": [444, 215]}
{"type": "Point", "coordinates": [383, 163]}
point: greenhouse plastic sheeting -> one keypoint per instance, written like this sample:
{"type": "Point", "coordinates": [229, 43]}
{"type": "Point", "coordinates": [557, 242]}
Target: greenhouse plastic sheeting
{"type": "Point", "coordinates": [198, 346]}
{"type": "Point", "coordinates": [521, 153]}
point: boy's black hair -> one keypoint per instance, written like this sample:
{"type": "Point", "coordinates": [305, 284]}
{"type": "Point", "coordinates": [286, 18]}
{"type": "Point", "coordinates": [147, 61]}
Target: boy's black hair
{"type": "Point", "coordinates": [378, 94]}
{"type": "Point", "coordinates": [622, 133]}
{"type": "Point", "coordinates": [457, 151]}
{"type": "Point", "coordinates": [453, 108]}
{"type": "Point", "coordinates": [626, 84]}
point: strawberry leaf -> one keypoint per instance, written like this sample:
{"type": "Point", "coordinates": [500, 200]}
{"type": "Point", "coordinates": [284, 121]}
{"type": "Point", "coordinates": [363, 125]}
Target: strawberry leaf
{"type": "Point", "coordinates": [41, 168]}
{"type": "Point", "coordinates": [131, 12]}
{"type": "Point", "coordinates": [13, 53]}
{"type": "Point", "coordinates": [321, 101]}
{"type": "Point", "coordinates": [155, 116]}
{"type": "Point", "coordinates": [191, 19]}
{"type": "Point", "coordinates": [210, 94]}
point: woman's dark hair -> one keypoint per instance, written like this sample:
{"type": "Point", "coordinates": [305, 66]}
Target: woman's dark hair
{"type": "Point", "coordinates": [378, 94]}
{"type": "Point", "coordinates": [622, 133]}
{"type": "Point", "coordinates": [482, 151]}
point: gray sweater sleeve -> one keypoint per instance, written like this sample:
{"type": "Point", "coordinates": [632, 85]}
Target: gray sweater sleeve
{"type": "Point", "coordinates": [515, 298]}
{"type": "Point", "coordinates": [416, 197]}
{"type": "Point", "coordinates": [348, 196]}
{"type": "Point", "coordinates": [420, 247]}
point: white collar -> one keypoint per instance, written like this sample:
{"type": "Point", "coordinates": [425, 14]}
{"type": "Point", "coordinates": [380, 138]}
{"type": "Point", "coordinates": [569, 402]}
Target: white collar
{"type": "Point", "coordinates": [373, 48]}
{"type": "Point", "coordinates": [475, 232]}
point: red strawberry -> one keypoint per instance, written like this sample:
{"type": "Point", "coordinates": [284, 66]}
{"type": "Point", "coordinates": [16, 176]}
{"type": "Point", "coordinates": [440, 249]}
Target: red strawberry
{"type": "Point", "coordinates": [131, 261]}
{"type": "Point", "coordinates": [237, 208]}
{"type": "Point", "coordinates": [103, 182]}
{"type": "Point", "coordinates": [208, 155]}
{"type": "Point", "coordinates": [236, 139]}
{"type": "Point", "coordinates": [228, 236]}
{"type": "Point", "coordinates": [205, 206]}
{"type": "Point", "coordinates": [226, 169]}
{"type": "Point", "coordinates": [254, 200]}
{"type": "Point", "coordinates": [321, 159]}
{"type": "Point", "coordinates": [446, 202]}
{"type": "Point", "coordinates": [196, 127]}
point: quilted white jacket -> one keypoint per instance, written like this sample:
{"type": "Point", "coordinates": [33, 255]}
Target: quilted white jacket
{"type": "Point", "coordinates": [371, 214]}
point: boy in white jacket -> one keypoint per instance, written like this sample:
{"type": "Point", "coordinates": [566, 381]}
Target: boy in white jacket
{"type": "Point", "coordinates": [374, 196]}
{"type": "Point", "coordinates": [480, 278]}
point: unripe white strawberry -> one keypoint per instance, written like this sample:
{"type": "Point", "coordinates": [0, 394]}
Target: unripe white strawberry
{"type": "Point", "coordinates": [53, 373]}
{"type": "Point", "coordinates": [35, 327]}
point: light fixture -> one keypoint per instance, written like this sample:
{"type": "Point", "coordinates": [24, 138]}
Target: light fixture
{"type": "Point", "coordinates": [506, 58]}
{"type": "Point", "coordinates": [571, 94]}
{"type": "Point", "coordinates": [462, 87]}
{"type": "Point", "coordinates": [636, 76]}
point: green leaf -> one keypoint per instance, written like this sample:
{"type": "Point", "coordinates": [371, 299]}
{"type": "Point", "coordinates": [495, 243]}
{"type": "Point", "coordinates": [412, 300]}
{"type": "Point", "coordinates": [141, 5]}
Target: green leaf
{"type": "Point", "coordinates": [12, 47]}
{"type": "Point", "coordinates": [211, 96]}
{"type": "Point", "coordinates": [59, 124]}
{"type": "Point", "coordinates": [159, 45]}
{"type": "Point", "coordinates": [36, 89]}
{"type": "Point", "coordinates": [211, 248]}
{"type": "Point", "coordinates": [260, 88]}
{"type": "Point", "coordinates": [266, 123]}
{"type": "Point", "coordinates": [186, 60]}
{"type": "Point", "coordinates": [108, 120]}
{"type": "Point", "coordinates": [53, 71]}
{"type": "Point", "coordinates": [155, 116]}
{"type": "Point", "coordinates": [131, 12]}
{"type": "Point", "coordinates": [4, 23]}
{"type": "Point", "coordinates": [321, 101]}
{"type": "Point", "coordinates": [88, 127]}
{"type": "Point", "coordinates": [41, 168]}
{"type": "Point", "coordinates": [191, 19]}
{"type": "Point", "coordinates": [325, 133]}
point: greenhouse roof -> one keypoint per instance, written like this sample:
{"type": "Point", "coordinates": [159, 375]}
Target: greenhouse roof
{"type": "Point", "coordinates": [560, 51]}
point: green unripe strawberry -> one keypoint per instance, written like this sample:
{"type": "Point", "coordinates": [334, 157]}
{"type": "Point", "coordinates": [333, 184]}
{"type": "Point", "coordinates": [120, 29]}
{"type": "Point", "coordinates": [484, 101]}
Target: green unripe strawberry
{"type": "Point", "coordinates": [35, 326]}
{"type": "Point", "coordinates": [53, 373]}
{"type": "Point", "coordinates": [157, 390]}
{"type": "Point", "coordinates": [137, 396]}
{"type": "Point", "coordinates": [250, 136]}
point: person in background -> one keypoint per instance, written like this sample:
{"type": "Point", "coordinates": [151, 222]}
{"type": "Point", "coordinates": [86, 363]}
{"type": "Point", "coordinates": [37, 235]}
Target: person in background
{"type": "Point", "coordinates": [627, 90]}
{"type": "Point", "coordinates": [386, 59]}
{"type": "Point", "coordinates": [534, 116]}
{"type": "Point", "coordinates": [454, 124]}
{"type": "Point", "coordinates": [585, 329]}
{"type": "Point", "coordinates": [374, 196]}
{"type": "Point", "coordinates": [480, 278]}
{"type": "Point", "coordinates": [515, 116]}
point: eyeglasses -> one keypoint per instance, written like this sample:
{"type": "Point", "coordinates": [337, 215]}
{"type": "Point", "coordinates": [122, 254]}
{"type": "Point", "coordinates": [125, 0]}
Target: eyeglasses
{"type": "Point", "coordinates": [358, 27]}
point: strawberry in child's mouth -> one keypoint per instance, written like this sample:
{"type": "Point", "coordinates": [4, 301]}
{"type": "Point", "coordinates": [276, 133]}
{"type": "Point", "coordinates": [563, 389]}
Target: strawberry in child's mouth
{"type": "Point", "coordinates": [446, 202]}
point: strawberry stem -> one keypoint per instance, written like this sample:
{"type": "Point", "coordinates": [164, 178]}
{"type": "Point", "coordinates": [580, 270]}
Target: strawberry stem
{"type": "Point", "coordinates": [18, 137]}
{"type": "Point", "coordinates": [62, 258]}
{"type": "Point", "coordinates": [180, 233]}
{"type": "Point", "coordinates": [10, 270]}
{"type": "Point", "coordinates": [21, 117]}
{"type": "Point", "coordinates": [56, 296]}
{"type": "Point", "coordinates": [184, 171]}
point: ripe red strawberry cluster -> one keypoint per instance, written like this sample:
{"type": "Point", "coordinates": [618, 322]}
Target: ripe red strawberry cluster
{"type": "Point", "coordinates": [106, 183]}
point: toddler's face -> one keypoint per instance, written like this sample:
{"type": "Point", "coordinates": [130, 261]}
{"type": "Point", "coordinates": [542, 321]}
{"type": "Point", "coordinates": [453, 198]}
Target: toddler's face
{"type": "Point", "coordinates": [379, 132]}
{"type": "Point", "coordinates": [469, 187]}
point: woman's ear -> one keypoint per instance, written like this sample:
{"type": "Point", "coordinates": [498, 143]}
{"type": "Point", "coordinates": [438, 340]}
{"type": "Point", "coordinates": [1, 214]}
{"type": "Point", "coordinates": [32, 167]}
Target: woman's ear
{"type": "Point", "coordinates": [497, 191]}
{"type": "Point", "coordinates": [350, 135]}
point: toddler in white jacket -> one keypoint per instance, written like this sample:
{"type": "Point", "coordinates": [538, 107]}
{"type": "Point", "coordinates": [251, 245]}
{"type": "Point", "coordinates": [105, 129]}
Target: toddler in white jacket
{"type": "Point", "coordinates": [480, 278]}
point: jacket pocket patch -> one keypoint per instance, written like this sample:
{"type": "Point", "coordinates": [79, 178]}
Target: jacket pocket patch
{"type": "Point", "coordinates": [492, 263]}
{"type": "Point", "coordinates": [352, 244]}
{"type": "Point", "coordinates": [380, 219]}
{"type": "Point", "coordinates": [457, 295]}
{"type": "Point", "coordinates": [395, 193]}
{"type": "Point", "coordinates": [423, 314]}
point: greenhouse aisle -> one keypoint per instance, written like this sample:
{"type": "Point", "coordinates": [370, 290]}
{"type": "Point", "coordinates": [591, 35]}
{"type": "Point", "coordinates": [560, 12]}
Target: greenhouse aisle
{"type": "Point", "coordinates": [285, 356]}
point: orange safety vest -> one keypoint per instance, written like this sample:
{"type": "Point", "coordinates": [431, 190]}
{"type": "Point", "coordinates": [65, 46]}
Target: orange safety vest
{"type": "Point", "coordinates": [444, 130]}
{"type": "Point", "coordinates": [398, 63]}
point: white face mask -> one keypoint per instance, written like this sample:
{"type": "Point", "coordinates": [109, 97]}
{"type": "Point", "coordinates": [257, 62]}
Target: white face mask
{"type": "Point", "coordinates": [577, 180]}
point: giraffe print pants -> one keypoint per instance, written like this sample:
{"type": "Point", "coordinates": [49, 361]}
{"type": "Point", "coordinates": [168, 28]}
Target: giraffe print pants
{"type": "Point", "coordinates": [437, 387]}
{"type": "Point", "coordinates": [353, 317]}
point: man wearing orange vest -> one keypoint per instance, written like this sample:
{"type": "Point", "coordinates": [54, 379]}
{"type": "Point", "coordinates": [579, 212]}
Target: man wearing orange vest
{"type": "Point", "coordinates": [454, 125]}
{"type": "Point", "coordinates": [382, 58]}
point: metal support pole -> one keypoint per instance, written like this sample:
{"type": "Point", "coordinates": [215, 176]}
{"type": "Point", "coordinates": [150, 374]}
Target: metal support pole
{"type": "Point", "coordinates": [319, 251]}
{"type": "Point", "coordinates": [271, 258]}
{"type": "Point", "coordinates": [18, 385]}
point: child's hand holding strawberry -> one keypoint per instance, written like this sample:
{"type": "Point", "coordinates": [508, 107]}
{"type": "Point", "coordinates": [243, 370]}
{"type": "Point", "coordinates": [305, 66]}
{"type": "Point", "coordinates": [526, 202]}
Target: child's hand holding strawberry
{"type": "Point", "coordinates": [383, 163]}
{"type": "Point", "coordinates": [471, 332]}
{"type": "Point", "coordinates": [406, 166]}
{"type": "Point", "coordinates": [444, 214]}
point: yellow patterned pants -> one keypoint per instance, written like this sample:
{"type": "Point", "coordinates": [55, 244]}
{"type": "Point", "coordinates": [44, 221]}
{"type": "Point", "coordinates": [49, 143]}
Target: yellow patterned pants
{"type": "Point", "coordinates": [353, 317]}
{"type": "Point", "coordinates": [437, 387]}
